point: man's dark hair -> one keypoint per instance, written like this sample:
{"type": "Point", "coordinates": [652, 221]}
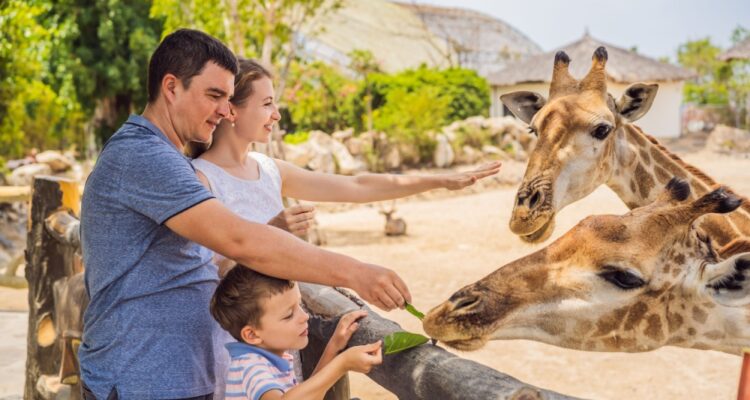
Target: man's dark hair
{"type": "Point", "coordinates": [184, 53]}
{"type": "Point", "coordinates": [237, 300]}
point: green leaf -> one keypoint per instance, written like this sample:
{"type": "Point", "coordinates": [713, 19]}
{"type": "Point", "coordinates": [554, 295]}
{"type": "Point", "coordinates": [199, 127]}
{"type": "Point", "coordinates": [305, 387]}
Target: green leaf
{"type": "Point", "coordinates": [400, 341]}
{"type": "Point", "coordinates": [413, 311]}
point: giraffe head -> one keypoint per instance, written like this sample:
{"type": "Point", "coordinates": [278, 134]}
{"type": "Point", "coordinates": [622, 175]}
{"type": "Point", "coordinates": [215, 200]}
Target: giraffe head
{"type": "Point", "coordinates": [630, 283]}
{"type": "Point", "coordinates": [575, 152]}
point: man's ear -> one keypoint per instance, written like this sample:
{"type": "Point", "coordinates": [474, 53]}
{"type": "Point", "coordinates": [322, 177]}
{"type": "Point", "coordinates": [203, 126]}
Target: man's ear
{"type": "Point", "coordinates": [636, 101]}
{"type": "Point", "coordinates": [523, 104]}
{"type": "Point", "coordinates": [728, 281]}
{"type": "Point", "coordinates": [250, 336]}
{"type": "Point", "coordinates": [169, 86]}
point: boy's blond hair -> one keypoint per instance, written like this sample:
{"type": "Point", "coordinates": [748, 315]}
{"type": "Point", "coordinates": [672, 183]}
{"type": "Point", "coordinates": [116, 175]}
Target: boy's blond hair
{"type": "Point", "coordinates": [237, 300]}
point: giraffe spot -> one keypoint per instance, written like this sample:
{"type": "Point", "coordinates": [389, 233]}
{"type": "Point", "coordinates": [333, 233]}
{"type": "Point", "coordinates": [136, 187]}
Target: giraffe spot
{"type": "Point", "coordinates": [583, 328]}
{"type": "Point", "coordinates": [645, 181]}
{"type": "Point", "coordinates": [535, 279]}
{"type": "Point", "coordinates": [691, 331]}
{"type": "Point", "coordinates": [675, 272]}
{"type": "Point", "coordinates": [662, 175]}
{"type": "Point", "coordinates": [709, 305]}
{"type": "Point", "coordinates": [677, 339]}
{"type": "Point", "coordinates": [645, 157]}
{"type": "Point", "coordinates": [702, 346]}
{"type": "Point", "coordinates": [635, 315]}
{"type": "Point", "coordinates": [699, 315]}
{"type": "Point", "coordinates": [715, 335]}
{"type": "Point", "coordinates": [610, 322]}
{"type": "Point", "coordinates": [633, 187]}
{"type": "Point", "coordinates": [679, 259]}
{"type": "Point", "coordinates": [653, 329]}
{"type": "Point", "coordinates": [674, 321]}
{"type": "Point", "coordinates": [553, 326]}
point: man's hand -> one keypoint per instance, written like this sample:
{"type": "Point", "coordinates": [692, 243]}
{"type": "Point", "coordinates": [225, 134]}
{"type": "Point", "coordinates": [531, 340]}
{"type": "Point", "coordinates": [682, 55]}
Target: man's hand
{"type": "Point", "coordinates": [363, 358]}
{"type": "Point", "coordinates": [296, 219]}
{"type": "Point", "coordinates": [381, 287]}
{"type": "Point", "coordinates": [345, 329]}
{"type": "Point", "coordinates": [463, 179]}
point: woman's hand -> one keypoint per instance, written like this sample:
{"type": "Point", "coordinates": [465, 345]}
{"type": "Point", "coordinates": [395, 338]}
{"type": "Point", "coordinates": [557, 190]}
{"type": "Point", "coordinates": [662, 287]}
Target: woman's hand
{"type": "Point", "coordinates": [296, 219]}
{"type": "Point", "coordinates": [463, 179]}
{"type": "Point", "coordinates": [345, 329]}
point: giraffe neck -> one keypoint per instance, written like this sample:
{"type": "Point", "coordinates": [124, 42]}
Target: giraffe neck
{"type": "Point", "coordinates": [642, 167]}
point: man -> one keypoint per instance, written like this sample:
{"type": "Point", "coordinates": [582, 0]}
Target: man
{"type": "Point", "coordinates": [148, 332]}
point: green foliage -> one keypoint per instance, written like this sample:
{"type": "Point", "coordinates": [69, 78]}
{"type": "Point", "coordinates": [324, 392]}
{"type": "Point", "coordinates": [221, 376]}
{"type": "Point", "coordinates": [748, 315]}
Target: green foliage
{"type": "Point", "coordinates": [718, 83]}
{"type": "Point", "coordinates": [297, 137]}
{"type": "Point", "coordinates": [413, 311]}
{"type": "Point", "coordinates": [710, 85]}
{"type": "Point", "coordinates": [318, 98]}
{"type": "Point", "coordinates": [32, 113]}
{"type": "Point", "coordinates": [400, 341]}
{"type": "Point", "coordinates": [409, 117]}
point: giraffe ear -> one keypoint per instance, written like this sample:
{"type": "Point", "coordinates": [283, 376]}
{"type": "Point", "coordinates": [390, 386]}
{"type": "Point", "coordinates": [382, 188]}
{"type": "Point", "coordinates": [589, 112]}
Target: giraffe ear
{"type": "Point", "coordinates": [636, 101]}
{"type": "Point", "coordinates": [524, 105]}
{"type": "Point", "coordinates": [728, 281]}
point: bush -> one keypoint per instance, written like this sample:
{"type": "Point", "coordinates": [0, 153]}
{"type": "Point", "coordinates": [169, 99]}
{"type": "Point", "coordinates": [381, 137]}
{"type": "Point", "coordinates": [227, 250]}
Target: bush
{"type": "Point", "coordinates": [317, 98]}
{"type": "Point", "coordinates": [410, 118]}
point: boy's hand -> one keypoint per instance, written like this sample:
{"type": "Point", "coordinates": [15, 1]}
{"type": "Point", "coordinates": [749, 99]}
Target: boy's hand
{"type": "Point", "coordinates": [463, 179]}
{"type": "Point", "coordinates": [345, 329]}
{"type": "Point", "coordinates": [363, 358]}
{"type": "Point", "coordinates": [296, 219]}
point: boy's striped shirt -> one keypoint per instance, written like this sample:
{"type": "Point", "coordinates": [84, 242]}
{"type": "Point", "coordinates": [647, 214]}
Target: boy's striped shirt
{"type": "Point", "coordinates": [254, 371]}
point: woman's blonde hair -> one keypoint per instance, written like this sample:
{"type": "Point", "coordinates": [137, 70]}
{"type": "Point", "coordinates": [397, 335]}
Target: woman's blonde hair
{"type": "Point", "coordinates": [250, 71]}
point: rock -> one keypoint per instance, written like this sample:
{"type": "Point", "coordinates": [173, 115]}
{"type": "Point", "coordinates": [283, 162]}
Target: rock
{"type": "Point", "coordinates": [24, 175]}
{"type": "Point", "coordinates": [343, 136]}
{"type": "Point", "coordinates": [392, 158]}
{"type": "Point", "coordinates": [470, 155]}
{"type": "Point", "coordinates": [56, 161]}
{"type": "Point", "coordinates": [443, 156]}
{"type": "Point", "coordinates": [726, 139]}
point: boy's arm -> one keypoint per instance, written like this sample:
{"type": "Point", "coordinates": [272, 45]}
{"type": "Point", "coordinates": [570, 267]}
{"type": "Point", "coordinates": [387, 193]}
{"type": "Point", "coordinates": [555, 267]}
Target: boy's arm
{"type": "Point", "coordinates": [313, 388]}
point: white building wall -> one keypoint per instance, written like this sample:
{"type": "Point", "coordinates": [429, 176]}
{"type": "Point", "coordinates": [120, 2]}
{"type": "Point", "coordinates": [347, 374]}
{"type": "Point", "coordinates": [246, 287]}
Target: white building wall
{"type": "Point", "coordinates": [662, 120]}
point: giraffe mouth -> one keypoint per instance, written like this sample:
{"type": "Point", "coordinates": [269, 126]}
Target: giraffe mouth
{"type": "Point", "coordinates": [467, 344]}
{"type": "Point", "coordinates": [541, 234]}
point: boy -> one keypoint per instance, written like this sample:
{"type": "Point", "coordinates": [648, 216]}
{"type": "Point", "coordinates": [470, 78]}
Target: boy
{"type": "Point", "coordinates": [265, 316]}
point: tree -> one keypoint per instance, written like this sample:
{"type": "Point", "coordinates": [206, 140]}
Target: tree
{"type": "Point", "coordinates": [32, 112]}
{"type": "Point", "coordinates": [363, 63]}
{"type": "Point", "coordinates": [105, 53]}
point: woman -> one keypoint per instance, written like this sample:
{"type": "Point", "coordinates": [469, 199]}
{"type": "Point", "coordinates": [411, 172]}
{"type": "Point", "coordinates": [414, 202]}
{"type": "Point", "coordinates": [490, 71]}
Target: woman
{"type": "Point", "coordinates": [252, 185]}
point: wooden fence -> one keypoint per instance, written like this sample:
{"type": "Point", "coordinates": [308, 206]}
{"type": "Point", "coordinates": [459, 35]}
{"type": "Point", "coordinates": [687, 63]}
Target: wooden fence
{"type": "Point", "coordinates": [57, 300]}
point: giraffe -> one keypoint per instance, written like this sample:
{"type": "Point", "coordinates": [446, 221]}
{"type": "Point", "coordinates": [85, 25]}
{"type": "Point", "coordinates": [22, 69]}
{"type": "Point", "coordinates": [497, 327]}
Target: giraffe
{"type": "Point", "coordinates": [586, 139]}
{"type": "Point", "coordinates": [627, 283]}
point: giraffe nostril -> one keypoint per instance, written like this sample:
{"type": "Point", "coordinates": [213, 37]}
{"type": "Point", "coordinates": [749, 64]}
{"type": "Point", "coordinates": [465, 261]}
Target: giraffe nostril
{"type": "Point", "coordinates": [466, 302]}
{"type": "Point", "coordinates": [535, 199]}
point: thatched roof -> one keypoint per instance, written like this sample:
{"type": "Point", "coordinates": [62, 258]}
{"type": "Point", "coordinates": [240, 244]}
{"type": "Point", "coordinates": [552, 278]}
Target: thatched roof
{"type": "Point", "coordinates": [741, 51]}
{"type": "Point", "coordinates": [480, 41]}
{"type": "Point", "coordinates": [623, 66]}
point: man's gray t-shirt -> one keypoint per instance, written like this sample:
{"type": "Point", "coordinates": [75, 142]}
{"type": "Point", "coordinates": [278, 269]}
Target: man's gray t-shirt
{"type": "Point", "coordinates": [148, 331]}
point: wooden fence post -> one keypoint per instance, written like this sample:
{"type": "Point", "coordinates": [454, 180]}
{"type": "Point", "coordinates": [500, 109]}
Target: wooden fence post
{"type": "Point", "coordinates": [47, 260]}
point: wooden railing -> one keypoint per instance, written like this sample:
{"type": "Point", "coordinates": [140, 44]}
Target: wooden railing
{"type": "Point", "coordinates": [57, 300]}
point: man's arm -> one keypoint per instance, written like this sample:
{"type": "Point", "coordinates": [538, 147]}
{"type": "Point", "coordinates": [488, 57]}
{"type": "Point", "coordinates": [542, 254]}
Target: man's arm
{"type": "Point", "coordinates": [274, 252]}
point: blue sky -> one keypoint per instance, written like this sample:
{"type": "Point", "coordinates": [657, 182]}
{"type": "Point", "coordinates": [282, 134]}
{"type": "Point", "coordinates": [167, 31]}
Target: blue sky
{"type": "Point", "coordinates": [655, 27]}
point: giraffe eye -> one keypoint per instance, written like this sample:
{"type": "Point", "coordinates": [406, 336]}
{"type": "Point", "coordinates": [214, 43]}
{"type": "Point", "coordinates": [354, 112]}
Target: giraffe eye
{"type": "Point", "coordinates": [601, 131]}
{"type": "Point", "coordinates": [622, 279]}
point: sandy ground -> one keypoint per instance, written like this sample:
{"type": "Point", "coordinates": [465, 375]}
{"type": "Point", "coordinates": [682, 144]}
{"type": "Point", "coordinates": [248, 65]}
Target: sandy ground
{"type": "Point", "coordinates": [453, 241]}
